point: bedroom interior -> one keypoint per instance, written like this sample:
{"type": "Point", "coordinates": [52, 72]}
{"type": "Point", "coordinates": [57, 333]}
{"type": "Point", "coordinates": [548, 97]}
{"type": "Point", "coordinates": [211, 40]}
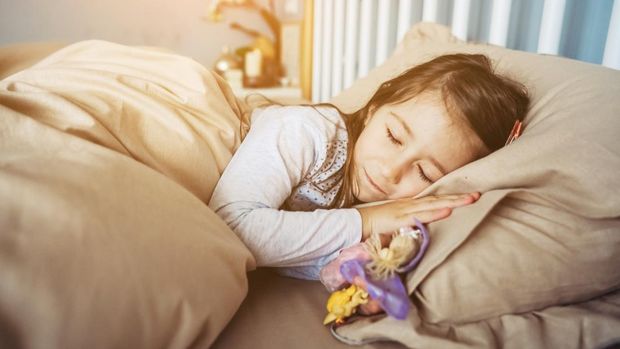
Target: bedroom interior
{"type": "Point", "coordinates": [117, 119]}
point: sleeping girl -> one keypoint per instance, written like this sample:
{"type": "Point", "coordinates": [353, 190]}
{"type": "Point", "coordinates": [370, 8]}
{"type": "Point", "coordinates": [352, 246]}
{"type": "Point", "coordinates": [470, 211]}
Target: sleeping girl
{"type": "Point", "coordinates": [290, 191]}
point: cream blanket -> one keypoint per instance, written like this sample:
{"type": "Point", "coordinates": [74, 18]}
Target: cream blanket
{"type": "Point", "coordinates": [108, 155]}
{"type": "Point", "coordinates": [161, 109]}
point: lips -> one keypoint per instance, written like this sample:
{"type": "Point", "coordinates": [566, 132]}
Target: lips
{"type": "Point", "coordinates": [373, 184]}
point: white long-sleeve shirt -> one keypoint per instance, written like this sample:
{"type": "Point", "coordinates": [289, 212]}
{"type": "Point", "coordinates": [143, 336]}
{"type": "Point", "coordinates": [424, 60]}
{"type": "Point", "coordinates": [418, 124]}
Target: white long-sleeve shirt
{"type": "Point", "coordinates": [275, 189]}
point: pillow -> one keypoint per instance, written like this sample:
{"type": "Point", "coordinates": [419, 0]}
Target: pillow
{"type": "Point", "coordinates": [100, 251]}
{"type": "Point", "coordinates": [545, 231]}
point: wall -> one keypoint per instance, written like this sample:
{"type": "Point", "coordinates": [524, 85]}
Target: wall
{"type": "Point", "coordinates": [177, 25]}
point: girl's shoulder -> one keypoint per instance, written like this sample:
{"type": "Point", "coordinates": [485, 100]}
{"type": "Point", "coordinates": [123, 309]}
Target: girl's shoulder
{"type": "Point", "coordinates": [322, 119]}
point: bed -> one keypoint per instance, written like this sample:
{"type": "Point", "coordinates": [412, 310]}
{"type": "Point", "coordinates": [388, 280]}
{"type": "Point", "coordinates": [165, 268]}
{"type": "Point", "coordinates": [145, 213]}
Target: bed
{"type": "Point", "coordinates": [109, 153]}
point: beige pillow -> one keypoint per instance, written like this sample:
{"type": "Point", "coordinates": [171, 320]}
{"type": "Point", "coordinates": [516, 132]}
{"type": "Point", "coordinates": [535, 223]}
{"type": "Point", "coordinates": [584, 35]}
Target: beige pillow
{"type": "Point", "coordinates": [546, 230]}
{"type": "Point", "coordinates": [98, 250]}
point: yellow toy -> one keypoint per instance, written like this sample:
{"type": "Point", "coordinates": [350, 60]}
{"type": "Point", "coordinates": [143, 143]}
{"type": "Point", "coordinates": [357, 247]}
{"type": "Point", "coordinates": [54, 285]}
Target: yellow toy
{"type": "Point", "coordinates": [342, 304]}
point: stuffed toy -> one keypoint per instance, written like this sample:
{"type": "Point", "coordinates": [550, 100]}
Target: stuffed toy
{"type": "Point", "coordinates": [374, 269]}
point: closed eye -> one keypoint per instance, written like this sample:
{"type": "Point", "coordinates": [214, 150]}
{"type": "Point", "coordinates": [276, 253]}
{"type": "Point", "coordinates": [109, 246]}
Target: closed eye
{"type": "Point", "coordinates": [423, 175]}
{"type": "Point", "coordinates": [393, 139]}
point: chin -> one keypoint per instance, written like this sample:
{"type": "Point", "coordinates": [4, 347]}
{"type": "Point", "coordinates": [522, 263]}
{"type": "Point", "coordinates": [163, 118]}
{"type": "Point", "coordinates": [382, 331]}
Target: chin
{"type": "Point", "coordinates": [368, 197]}
{"type": "Point", "coordinates": [363, 200]}
{"type": "Point", "coordinates": [360, 198]}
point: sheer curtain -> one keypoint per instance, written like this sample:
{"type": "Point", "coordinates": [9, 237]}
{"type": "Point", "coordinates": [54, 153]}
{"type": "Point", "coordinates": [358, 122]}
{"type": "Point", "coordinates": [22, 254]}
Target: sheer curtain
{"type": "Point", "coordinates": [350, 37]}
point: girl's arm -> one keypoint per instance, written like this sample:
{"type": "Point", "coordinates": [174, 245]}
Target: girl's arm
{"type": "Point", "coordinates": [277, 154]}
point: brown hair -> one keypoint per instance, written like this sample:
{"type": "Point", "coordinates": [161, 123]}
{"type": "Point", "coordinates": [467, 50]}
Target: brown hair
{"type": "Point", "coordinates": [472, 92]}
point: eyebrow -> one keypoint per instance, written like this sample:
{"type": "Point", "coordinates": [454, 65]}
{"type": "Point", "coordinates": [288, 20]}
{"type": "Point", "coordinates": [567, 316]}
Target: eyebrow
{"type": "Point", "coordinates": [408, 129]}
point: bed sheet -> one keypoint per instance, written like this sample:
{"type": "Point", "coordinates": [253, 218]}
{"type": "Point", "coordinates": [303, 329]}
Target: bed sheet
{"type": "Point", "coordinates": [281, 312]}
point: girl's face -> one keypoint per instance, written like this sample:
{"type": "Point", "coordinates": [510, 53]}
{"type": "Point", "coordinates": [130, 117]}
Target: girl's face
{"type": "Point", "coordinates": [405, 147]}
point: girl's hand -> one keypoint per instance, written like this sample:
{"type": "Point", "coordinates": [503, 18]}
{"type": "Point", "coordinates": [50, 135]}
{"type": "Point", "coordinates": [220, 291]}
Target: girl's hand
{"type": "Point", "coordinates": [388, 217]}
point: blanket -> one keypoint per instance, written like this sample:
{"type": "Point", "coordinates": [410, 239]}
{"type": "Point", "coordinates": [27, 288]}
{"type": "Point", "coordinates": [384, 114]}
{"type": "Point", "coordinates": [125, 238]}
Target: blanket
{"type": "Point", "coordinates": [108, 157]}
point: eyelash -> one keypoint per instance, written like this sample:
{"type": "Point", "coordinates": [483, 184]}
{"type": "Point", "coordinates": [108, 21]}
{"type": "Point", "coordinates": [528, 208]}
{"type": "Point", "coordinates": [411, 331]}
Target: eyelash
{"type": "Point", "coordinates": [423, 176]}
{"type": "Point", "coordinates": [421, 173]}
{"type": "Point", "coordinates": [392, 138]}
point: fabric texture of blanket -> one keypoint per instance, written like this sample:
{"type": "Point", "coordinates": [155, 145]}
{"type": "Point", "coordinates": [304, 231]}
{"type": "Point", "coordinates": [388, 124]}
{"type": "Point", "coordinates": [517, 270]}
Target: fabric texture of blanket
{"type": "Point", "coordinates": [108, 156]}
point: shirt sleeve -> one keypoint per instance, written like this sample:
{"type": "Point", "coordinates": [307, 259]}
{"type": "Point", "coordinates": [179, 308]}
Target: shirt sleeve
{"type": "Point", "coordinates": [276, 155]}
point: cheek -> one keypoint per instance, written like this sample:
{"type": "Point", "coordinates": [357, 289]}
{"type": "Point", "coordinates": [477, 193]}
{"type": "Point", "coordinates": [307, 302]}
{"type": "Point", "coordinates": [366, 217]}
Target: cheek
{"type": "Point", "coordinates": [409, 186]}
{"type": "Point", "coordinates": [374, 140]}
{"type": "Point", "coordinates": [364, 147]}
{"type": "Point", "coordinates": [358, 153]}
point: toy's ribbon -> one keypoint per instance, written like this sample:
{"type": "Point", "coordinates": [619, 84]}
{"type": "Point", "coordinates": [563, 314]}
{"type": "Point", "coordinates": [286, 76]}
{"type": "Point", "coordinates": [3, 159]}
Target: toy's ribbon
{"type": "Point", "coordinates": [425, 242]}
{"type": "Point", "coordinates": [390, 293]}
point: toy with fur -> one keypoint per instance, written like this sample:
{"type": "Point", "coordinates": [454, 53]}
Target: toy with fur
{"type": "Point", "coordinates": [379, 266]}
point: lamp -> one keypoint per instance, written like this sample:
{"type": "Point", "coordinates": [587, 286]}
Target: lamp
{"type": "Point", "coordinates": [273, 65]}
